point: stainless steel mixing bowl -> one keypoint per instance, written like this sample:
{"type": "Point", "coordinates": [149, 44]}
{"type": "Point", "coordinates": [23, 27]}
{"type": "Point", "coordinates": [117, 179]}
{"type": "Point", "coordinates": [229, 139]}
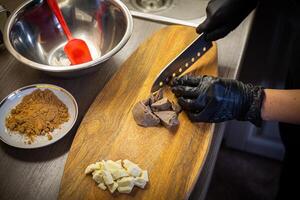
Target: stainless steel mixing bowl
{"type": "Point", "coordinates": [34, 36]}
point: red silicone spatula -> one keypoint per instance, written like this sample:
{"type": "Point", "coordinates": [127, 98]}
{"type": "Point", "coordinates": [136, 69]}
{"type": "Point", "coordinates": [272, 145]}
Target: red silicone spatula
{"type": "Point", "coordinates": [76, 49]}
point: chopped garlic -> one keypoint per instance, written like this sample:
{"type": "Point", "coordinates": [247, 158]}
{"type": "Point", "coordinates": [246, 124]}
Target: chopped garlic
{"type": "Point", "coordinates": [98, 176]}
{"type": "Point", "coordinates": [138, 181]}
{"type": "Point", "coordinates": [102, 186]}
{"type": "Point", "coordinates": [142, 180]}
{"type": "Point", "coordinates": [126, 189]}
{"type": "Point", "coordinates": [119, 162]}
{"type": "Point", "coordinates": [128, 163]}
{"type": "Point", "coordinates": [92, 167]}
{"type": "Point", "coordinates": [119, 173]}
{"type": "Point", "coordinates": [108, 179]}
{"type": "Point", "coordinates": [115, 176]}
{"type": "Point", "coordinates": [132, 168]}
{"type": "Point", "coordinates": [126, 181]}
{"type": "Point", "coordinates": [145, 175]}
{"type": "Point", "coordinates": [111, 165]}
{"type": "Point", "coordinates": [112, 187]}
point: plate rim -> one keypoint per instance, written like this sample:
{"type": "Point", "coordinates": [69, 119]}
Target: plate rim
{"type": "Point", "coordinates": [43, 85]}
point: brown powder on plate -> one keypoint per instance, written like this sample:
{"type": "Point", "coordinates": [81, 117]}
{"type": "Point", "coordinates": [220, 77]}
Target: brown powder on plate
{"type": "Point", "coordinates": [39, 113]}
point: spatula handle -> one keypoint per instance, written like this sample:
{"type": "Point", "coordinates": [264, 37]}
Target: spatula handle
{"type": "Point", "coordinates": [54, 7]}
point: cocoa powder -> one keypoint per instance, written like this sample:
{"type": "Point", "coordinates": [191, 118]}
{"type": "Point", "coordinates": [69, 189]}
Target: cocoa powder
{"type": "Point", "coordinates": [39, 113]}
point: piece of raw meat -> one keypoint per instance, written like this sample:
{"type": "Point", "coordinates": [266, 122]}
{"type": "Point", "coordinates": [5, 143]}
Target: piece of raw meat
{"type": "Point", "coordinates": [143, 115]}
{"type": "Point", "coordinates": [176, 107]}
{"type": "Point", "coordinates": [168, 118]}
{"type": "Point", "coordinates": [161, 105]}
{"type": "Point", "coordinates": [154, 97]}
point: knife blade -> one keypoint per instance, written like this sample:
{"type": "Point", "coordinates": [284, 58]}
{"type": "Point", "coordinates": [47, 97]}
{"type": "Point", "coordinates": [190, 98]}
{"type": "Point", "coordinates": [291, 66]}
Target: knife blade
{"type": "Point", "coordinates": [182, 62]}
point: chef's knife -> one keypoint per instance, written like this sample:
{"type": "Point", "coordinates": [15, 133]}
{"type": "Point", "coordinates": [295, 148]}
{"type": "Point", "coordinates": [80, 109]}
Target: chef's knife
{"type": "Point", "coordinates": [182, 62]}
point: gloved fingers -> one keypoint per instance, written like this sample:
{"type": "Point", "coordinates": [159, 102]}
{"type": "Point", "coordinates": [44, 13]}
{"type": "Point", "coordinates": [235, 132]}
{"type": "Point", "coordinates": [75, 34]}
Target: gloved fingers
{"type": "Point", "coordinates": [204, 27]}
{"type": "Point", "coordinates": [217, 33]}
{"type": "Point", "coordinates": [187, 80]}
{"type": "Point", "coordinates": [209, 23]}
{"type": "Point", "coordinates": [207, 28]}
{"type": "Point", "coordinates": [185, 91]}
{"type": "Point", "coordinates": [190, 104]}
{"type": "Point", "coordinates": [196, 117]}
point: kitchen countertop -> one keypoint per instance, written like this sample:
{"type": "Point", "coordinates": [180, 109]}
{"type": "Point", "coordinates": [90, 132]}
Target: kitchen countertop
{"type": "Point", "coordinates": [36, 174]}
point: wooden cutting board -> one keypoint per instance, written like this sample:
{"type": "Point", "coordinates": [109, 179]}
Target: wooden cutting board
{"type": "Point", "coordinates": [108, 131]}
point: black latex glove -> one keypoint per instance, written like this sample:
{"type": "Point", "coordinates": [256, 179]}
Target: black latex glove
{"type": "Point", "coordinates": [211, 99]}
{"type": "Point", "coordinates": [223, 16]}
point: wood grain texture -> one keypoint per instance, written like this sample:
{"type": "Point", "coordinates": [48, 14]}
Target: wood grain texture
{"type": "Point", "coordinates": [108, 131]}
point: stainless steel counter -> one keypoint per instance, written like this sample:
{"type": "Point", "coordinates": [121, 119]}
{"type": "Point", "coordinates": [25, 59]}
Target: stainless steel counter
{"type": "Point", "coordinates": [36, 174]}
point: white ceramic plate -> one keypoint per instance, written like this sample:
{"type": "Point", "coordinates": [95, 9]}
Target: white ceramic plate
{"type": "Point", "coordinates": [18, 140]}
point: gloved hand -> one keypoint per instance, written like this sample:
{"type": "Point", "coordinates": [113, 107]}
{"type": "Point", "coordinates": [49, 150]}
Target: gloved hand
{"type": "Point", "coordinates": [223, 16]}
{"type": "Point", "coordinates": [212, 99]}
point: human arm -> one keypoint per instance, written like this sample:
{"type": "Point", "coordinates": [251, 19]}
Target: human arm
{"type": "Point", "coordinates": [281, 105]}
{"type": "Point", "coordinates": [213, 99]}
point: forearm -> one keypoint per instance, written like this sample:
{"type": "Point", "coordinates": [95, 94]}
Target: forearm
{"type": "Point", "coordinates": [281, 105]}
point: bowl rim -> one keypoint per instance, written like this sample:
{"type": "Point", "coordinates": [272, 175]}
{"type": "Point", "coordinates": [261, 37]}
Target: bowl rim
{"type": "Point", "coordinates": [68, 68]}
